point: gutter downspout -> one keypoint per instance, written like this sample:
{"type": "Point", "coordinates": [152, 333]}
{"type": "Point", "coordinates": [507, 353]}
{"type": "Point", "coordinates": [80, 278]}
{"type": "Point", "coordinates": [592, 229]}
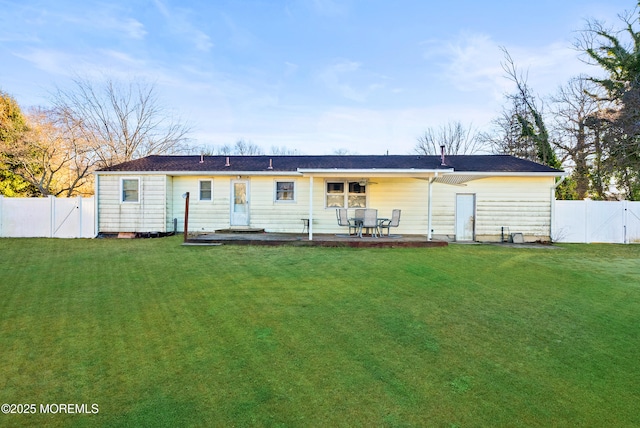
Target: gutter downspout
{"type": "Point", "coordinates": [553, 205]}
{"type": "Point", "coordinates": [429, 207]}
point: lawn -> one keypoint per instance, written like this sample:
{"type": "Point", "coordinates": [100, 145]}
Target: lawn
{"type": "Point", "coordinates": [157, 334]}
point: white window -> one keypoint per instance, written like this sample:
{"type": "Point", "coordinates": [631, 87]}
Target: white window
{"type": "Point", "coordinates": [346, 194]}
{"type": "Point", "coordinates": [205, 191]}
{"type": "Point", "coordinates": [285, 191]}
{"type": "Point", "coordinates": [130, 189]}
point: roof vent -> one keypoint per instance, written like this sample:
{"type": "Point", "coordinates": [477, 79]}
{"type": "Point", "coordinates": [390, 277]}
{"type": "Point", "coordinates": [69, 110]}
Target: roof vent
{"type": "Point", "coordinates": [442, 162]}
{"type": "Point", "coordinates": [270, 164]}
{"type": "Point", "coordinates": [227, 164]}
{"type": "Point", "coordinates": [201, 158]}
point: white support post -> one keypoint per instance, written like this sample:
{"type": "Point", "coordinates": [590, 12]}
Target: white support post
{"type": "Point", "coordinates": [311, 208]}
{"type": "Point", "coordinates": [429, 209]}
{"type": "Point", "coordinates": [552, 213]}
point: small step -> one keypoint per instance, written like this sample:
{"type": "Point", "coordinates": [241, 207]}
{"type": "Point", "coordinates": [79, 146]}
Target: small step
{"type": "Point", "coordinates": [240, 230]}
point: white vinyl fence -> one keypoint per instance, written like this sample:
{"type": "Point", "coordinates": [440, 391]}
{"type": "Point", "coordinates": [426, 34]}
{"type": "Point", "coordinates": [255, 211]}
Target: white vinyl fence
{"type": "Point", "coordinates": [596, 221]}
{"type": "Point", "coordinates": [47, 217]}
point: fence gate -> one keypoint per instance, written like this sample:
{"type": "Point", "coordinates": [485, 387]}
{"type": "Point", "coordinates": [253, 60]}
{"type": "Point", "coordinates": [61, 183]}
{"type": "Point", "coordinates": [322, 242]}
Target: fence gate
{"type": "Point", "coordinates": [47, 217]}
{"type": "Point", "coordinates": [596, 221]}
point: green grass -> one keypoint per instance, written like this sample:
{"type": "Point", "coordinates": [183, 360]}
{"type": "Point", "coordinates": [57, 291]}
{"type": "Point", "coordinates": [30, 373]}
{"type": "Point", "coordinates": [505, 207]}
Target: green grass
{"type": "Point", "coordinates": [158, 334]}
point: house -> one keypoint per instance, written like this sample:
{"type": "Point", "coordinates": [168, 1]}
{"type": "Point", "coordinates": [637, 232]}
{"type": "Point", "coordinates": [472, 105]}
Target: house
{"type": "Point", "coordinates": [464, 198]}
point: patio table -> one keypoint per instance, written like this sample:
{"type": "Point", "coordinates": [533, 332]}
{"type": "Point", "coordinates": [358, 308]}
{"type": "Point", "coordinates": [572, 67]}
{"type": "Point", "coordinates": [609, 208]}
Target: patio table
{"type": "Point", "coordinates": [359, 220]}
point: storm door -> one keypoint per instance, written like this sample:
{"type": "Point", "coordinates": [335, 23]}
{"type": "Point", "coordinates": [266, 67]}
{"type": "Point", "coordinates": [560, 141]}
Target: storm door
{"type": "Point", "coordinates": [239, 203]}
{"type": "Point", "coordinates": [465, 217]}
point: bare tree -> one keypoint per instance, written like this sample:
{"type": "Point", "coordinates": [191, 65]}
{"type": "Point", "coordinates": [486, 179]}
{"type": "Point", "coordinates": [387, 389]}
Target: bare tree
{"type": "Point", "coordinates": [573, 109]}
{"type": "Point", "coordinates": [240, 148]}
{"type": "Point", "coordinates": [51, 157]}
{"type": "Point", "coordinates": [505, 137]}
{"type": "Point", "coordinates": [617, 53]}
{"type": "Point", "coordinates": [342, 152]}
{"type": "Point", "coordinates": [120, 121]}
{"type": "Point", "coordinates": [533, 130]}
{"type": "Point", "coordinates": [456, 138]}
{"type": "Point", "coordinates": [283, 151]}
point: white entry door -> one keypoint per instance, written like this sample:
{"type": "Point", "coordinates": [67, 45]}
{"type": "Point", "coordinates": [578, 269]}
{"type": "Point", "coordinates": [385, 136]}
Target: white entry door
{"type": "Point", "coordinates": [465, 217]}
{"type": "Point", "coordinates": [239, 203]}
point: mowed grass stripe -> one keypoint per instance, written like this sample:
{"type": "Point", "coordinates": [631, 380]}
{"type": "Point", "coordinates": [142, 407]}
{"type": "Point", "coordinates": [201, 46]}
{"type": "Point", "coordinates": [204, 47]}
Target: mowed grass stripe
{"type": "Point", "coordinates": [163, 335]}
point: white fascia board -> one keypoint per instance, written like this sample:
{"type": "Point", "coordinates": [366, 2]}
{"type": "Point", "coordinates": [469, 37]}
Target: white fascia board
{"type": "Point", "coordinates": [200, 173]}
{"type": "Point", "coordinates": [377, 172]}
{"type": "Point", "coordinates": [510, 174]}
{"type": "Point", "coordinates": [336, 171]}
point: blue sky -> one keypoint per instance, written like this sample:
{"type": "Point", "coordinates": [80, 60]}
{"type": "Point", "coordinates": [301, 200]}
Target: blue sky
{"type": "Point", "coordinates": [312, 75]}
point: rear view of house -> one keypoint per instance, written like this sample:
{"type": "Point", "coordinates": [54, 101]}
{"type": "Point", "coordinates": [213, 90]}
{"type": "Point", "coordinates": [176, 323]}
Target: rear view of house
{"type": "Point", "coordinates": [463, 198]}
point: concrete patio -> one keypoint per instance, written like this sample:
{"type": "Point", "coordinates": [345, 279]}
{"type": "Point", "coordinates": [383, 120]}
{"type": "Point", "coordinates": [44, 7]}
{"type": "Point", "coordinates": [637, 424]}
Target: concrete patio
{"type": "Point", "coordinates": [319, 240]}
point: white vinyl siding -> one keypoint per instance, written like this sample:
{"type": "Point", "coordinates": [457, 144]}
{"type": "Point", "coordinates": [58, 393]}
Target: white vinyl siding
{"type": "Point", "coordinates": [523, 204]}
{"type": "Point", "coordinates": [278, 216]}
{"type": "Point", "coordinates": [147, 215]}
{"type": "Point", "coordinates": [204, 216]}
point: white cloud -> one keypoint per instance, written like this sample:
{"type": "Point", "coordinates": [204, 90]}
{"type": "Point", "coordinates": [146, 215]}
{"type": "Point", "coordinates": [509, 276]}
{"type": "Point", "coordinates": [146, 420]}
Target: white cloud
{"type": "Point", "coordinates": [49, 60]}
{"type": "Point", "coordinates": [470, 63]}
{"type": "Point", "coordinates": [334, 76]}
{"type": "Point", "coordinates": [179, 23]}
{"type": "Point", "coordinates": [135, 29]}
{"type": "Point", "coordinates": [330, 7]}
{"type": "Point", "coordinates": [473, 62]}
{"type": "Point", "coordinates": [350, 80]}
{"type": "Point", "coordinates": [290, 68]}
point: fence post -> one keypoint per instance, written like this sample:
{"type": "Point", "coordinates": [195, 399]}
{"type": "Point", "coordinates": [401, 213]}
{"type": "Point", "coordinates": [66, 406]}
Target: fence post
{"type": "Point", "coordinates": [587, 238]}
{"type": "Point", "coordinates": [79, 208]}
{"type": "Point", "coordinates": [625, 221]}
{"type": "Point", "coordinates": [1, 215]}
{"type": "Point", "coordinates": [52, 215]}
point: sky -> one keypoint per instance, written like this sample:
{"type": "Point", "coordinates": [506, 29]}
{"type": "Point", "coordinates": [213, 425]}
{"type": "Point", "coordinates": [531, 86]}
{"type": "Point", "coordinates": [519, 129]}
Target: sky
{"type": "Point", "coordinates": [314, 76]}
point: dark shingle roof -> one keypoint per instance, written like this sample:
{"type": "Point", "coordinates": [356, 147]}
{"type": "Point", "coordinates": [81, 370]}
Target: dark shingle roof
{"type": "Point", "coordinates": [461, 163]}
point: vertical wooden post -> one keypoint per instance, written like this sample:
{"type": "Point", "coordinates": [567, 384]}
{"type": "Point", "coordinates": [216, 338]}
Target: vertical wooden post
{"type": "Point", "coordinates": [186, 216]}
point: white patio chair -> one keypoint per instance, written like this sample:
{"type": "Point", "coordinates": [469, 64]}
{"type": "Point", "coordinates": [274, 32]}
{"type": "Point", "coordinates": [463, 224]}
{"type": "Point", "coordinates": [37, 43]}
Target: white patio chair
{"type": "Point", "coordinates": [388, 224]}
{"type": "Point", "coordinates": [343, 220]}
{"type": "Point", "coordinates": [370, 221]}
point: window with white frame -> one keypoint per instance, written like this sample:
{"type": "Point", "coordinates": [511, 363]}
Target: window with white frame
{"type": "Point", "coordinates": [285, 191]}
{"type": "Point", "coordinates": [346, 194]}
{"type": "Point", "coordinates": [205, 190]}
{"type": "Point", "coordinates": [130, 189]}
